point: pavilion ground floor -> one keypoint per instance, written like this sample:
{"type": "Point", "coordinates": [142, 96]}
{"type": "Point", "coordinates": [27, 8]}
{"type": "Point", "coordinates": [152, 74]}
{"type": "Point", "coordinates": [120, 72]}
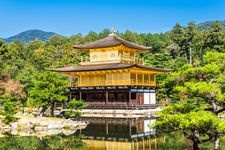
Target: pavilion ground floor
{"type": "Point", "coordinates": [115, 97]}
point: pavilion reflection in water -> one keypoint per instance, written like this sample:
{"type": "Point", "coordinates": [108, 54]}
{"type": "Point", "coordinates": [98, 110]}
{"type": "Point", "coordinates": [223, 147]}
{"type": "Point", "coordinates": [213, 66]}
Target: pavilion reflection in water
{"type": "Point", "coordinates": [115, 134]}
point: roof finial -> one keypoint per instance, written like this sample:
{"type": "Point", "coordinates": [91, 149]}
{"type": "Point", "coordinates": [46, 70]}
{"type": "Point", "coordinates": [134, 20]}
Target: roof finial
{"type": "Point", "coordinates": [113, 32]}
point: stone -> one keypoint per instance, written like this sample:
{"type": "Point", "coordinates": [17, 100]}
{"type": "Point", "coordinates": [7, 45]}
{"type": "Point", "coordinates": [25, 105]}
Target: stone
{"type": "Point", "coordinates": [38, 128]}
{"type": "Point", "coordinates": [68, 124]}
{"type": "Point", "coordinates": [68, 131]}
{"type": "Point", "coordinates": [54, 126]}
{"type": "Point", "coordinates": [29, 125]}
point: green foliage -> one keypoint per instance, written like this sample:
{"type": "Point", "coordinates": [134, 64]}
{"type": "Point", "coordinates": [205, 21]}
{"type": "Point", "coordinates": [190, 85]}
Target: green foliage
{"type": "Point", "coordinates": [215, 37]}
{"type": "Point", "coordinates": [47, 88]}
{"type": "Point", "coordinates": [72, 142]}
{"type": "Point", "coordinates": [74, 107]}
{"type": "Point", "coordinates": [205, 82]}
{"type": "Point", "coordinates": [182, 118]}
{"type": "Point", "coordinates": [76, 104]}
{"type": "Point", "coordinates": [10, 105]}
{"type": "Point", "coordinates": [177, 34]}
{"type": "Point", "coordinates": [132, 37]}
{"type": "Point", "coordinates": [160, 60]}
{"type": "Point", "coordinates": [171, 141]}
{"type": "Point", "coordinates": [198, 97]}
{"type": "Point", "coordinates": [176, 141]}
{"type": "Point", "coordinates": [155, 41]}
{"type": "Point", "coordinates": [196, 124]}
{"type": "Point", "coordinates": [210, 57]}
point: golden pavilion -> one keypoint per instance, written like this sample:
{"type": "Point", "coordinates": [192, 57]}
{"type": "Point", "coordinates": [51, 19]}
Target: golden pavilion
{"type": "Point", "coordinates": [112, 75]}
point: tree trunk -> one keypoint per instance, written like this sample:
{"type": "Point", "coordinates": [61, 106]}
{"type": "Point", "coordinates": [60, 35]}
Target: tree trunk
{"type": "Point", "coordinates": [42, 111]}
{"type": "Point", "coordinates": [52, 109]}
{"type": "Point", "coordinates": [195, 145]}
{"type": "Point", "coordinates": [190, 56]}
{"type": "Point", "coordinates": [194, 138]}
{"type": "Point", "coordinates": [216, 136]}
{"type": "Point", "coordinates": [217, 143]}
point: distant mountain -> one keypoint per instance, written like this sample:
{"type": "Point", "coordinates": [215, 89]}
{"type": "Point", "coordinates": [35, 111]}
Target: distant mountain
{"type": "Point", "coordinates": [207, 24]}
{"type": "Point", "coordinates": [30, 35]}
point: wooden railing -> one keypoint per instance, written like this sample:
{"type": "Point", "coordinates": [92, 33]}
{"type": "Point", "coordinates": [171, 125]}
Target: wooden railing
{"type": "Point", "coordinates": [125, 106]}
{"type": "Point", "coordinates": [126, 59]}
{"type": "Point", "coordinates": [131, 82]}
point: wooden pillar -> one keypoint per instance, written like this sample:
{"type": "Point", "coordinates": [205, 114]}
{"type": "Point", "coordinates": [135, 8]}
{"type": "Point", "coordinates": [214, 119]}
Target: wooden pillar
{"type": "Point", "coordinates": [114, 97]}
{"type": "Point", "coordinates": [80, 95]}
{"type": "Point", "coordinates": [130, 128]}
{"type": "Point", "coordinates": [136, 77]}
{"type": "Point", "coordinates": [136, 100]}
{"type": "Point", "coordinates": [143, 143]}
{"type": "Point", "coordinates": [107, 128]}
{"type": "Point", "coordinates": [129, 102]}
{"type": "Point", "coordinates": [106, 97]}
{"type": "Point", "coordinates": [143, 78]}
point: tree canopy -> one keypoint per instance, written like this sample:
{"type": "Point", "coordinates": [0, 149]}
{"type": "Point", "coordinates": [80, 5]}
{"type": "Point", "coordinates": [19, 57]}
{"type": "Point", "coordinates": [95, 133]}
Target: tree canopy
{"type": "Point", "coordinates": [47, 89]}
{"type": "Point", "coordinates": [198, 94]}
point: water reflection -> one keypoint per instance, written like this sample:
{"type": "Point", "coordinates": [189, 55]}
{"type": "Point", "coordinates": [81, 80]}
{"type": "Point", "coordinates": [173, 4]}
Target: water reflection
{"type": "Point", "coordinates": [127, 134]}
{"type": "Point", "coordinates": [105, 134]}
{"type": "Point", "coordinates": [57, 142]}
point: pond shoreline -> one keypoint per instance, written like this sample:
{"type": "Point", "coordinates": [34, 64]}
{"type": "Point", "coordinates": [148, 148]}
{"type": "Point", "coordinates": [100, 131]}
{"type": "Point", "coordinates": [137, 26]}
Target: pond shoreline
{"type": "Point", "coordinates": [41, 126]}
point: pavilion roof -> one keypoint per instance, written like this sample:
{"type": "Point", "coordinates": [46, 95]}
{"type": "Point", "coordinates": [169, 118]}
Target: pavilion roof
{"type": "Point", "coordinates": [109, 41]}
{"type": "Point", "coordinates": [110, 66]}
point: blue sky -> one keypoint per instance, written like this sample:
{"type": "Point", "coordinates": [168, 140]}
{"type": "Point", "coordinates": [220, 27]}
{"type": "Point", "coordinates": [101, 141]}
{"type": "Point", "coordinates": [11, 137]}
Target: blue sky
{"type": "Point", "coordinates": [68, 17]}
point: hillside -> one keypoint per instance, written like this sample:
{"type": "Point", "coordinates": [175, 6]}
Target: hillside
{"type": "Point", "coordinates": [207, 24]}
{"type": "Point", "coordinates": [30, 35]}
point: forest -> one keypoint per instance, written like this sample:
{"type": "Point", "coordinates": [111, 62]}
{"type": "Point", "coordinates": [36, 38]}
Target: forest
{"type": "Point", "coordinates": [193, 93]}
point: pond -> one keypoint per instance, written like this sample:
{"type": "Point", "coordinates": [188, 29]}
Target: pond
{"type": "Point", "coordinates": [104, 134]}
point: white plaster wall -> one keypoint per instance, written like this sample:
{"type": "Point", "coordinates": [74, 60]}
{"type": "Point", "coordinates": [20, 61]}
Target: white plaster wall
{"type": "Point", "coordinates": [146, 98]}
{"type": "Point", "coordinates": [153, 97]}
{"type": "Point", "coordinates": [148, 123]}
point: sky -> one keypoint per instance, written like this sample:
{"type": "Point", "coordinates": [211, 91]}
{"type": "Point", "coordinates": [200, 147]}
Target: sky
{"type": "Point", "coordinates": [68, 17]}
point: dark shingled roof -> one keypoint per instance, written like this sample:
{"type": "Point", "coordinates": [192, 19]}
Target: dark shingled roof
{"type": "Point", "coordinates": [110, 66]}
{"type": "Point", "coordinates": [110, 41]}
